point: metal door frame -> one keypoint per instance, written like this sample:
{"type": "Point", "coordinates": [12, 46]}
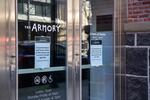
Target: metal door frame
{"type": "Point", "coordinates": [74, 89]}
{"type": "Point", "coordinates": [73, 75]}
{"type": "Point", "coordinates": [73, 67]}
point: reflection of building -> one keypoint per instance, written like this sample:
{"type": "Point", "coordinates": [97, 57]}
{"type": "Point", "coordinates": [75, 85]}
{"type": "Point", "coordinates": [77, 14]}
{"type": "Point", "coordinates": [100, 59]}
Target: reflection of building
{"type": "Point", "coordinates": [86, 22]}
{"type": "Point", "coordinates": [86, 17]}
{"type": "Point", "coordinates": [41, 18]}
{"type": "Point", "coordinates": [42, 11]}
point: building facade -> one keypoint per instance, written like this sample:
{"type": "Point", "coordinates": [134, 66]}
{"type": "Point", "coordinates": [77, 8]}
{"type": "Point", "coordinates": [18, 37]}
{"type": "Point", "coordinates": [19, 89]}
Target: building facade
{"type": "Point", "coordinates": [74, 49]}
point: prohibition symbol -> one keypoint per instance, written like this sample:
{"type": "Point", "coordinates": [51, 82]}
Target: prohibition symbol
{"type": "Point", "coordinates": [37, 80]}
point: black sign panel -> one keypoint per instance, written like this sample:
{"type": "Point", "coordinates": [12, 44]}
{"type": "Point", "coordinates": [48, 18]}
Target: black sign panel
{"type": "Point", "coordinates": [42, 86]}
{"type": "Point", "coordinates": [96, 42]}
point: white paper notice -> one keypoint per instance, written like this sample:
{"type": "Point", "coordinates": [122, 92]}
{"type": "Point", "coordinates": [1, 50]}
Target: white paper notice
{"type": "Point", "coordinates": [96, 55]}
{"type": "Point", "coordinates": [96, 50]}
{"type": "Point", "coordinates": [42, 55]}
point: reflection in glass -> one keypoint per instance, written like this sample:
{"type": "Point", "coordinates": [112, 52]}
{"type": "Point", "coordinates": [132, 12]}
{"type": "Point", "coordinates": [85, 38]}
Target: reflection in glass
{"type": "Point", "coordinates": [97, 81]}
{"type": "Point", "coordinates": [38, 9]}
{"type": "Point", "coordinates": [43, 19]}
{"type": "Point", "coordinates": [34, 24]}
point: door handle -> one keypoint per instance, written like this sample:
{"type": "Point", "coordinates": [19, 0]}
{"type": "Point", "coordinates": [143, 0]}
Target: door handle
{"type": "Point", "coordinates": [12, 62]}
{"type": "Point", "coordinates": [77, 63]}
{"type": "Point", "coordinates": [12, 56]}
{"type": "Point", "coordinates": [12, 66]}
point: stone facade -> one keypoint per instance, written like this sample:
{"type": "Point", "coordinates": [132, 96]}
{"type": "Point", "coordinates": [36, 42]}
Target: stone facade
{"type": "Point", "coordinates": [137, 66]}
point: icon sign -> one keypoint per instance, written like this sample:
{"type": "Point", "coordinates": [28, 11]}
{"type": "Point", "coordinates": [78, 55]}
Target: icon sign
{"type": "Point", "coordinates": [37, 80]}
{"type": "Point", "coordinates": [44, 79]}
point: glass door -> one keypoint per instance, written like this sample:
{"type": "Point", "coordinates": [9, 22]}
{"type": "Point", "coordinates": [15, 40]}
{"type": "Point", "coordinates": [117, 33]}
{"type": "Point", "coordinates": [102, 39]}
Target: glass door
{"type": "Point", "coordinates": [65, 50]}
{"type": "Point", "coordinates": [42, 48]}
{"type": "Point", "coordinates": [97, 50]}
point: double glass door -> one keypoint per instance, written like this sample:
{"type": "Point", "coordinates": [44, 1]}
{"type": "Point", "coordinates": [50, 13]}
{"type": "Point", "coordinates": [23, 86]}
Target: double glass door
{"type": "Point", "coordinates": [65, 50]}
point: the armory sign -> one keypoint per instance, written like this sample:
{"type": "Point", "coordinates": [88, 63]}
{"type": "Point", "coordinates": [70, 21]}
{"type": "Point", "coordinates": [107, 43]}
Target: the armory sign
{"type": "Point", "coordinates": [43, 28]}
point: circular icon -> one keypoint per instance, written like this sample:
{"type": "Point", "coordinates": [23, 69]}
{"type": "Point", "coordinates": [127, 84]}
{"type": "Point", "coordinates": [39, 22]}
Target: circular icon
{"type": "Point", "coordinates": [50, 79]}
{"type": "Point", "coordinates": [37, 80]}
{"type": "Point", "coordinates": [44, 79]}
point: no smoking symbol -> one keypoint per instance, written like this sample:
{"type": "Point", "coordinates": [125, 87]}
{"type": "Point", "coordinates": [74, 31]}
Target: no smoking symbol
{"type": "Point", "coordinates": [37, 80]}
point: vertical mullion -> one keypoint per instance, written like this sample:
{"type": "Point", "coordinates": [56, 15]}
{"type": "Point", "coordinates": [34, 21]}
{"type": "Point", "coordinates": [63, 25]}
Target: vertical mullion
{"type": "Point", "coordinates": [148, 83]}
{"type": "Point", "coordinates": [73, 50]}
{"type": "Point", "coordinates": [77, 46]}
{"type": "Point", "coordinates": [69, 69]}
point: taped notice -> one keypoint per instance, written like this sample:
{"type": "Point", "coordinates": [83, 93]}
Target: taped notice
{"type": "Point", "coordinates": [96, 50]}
{"type": "Point", "coordinates": [42, 54]}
